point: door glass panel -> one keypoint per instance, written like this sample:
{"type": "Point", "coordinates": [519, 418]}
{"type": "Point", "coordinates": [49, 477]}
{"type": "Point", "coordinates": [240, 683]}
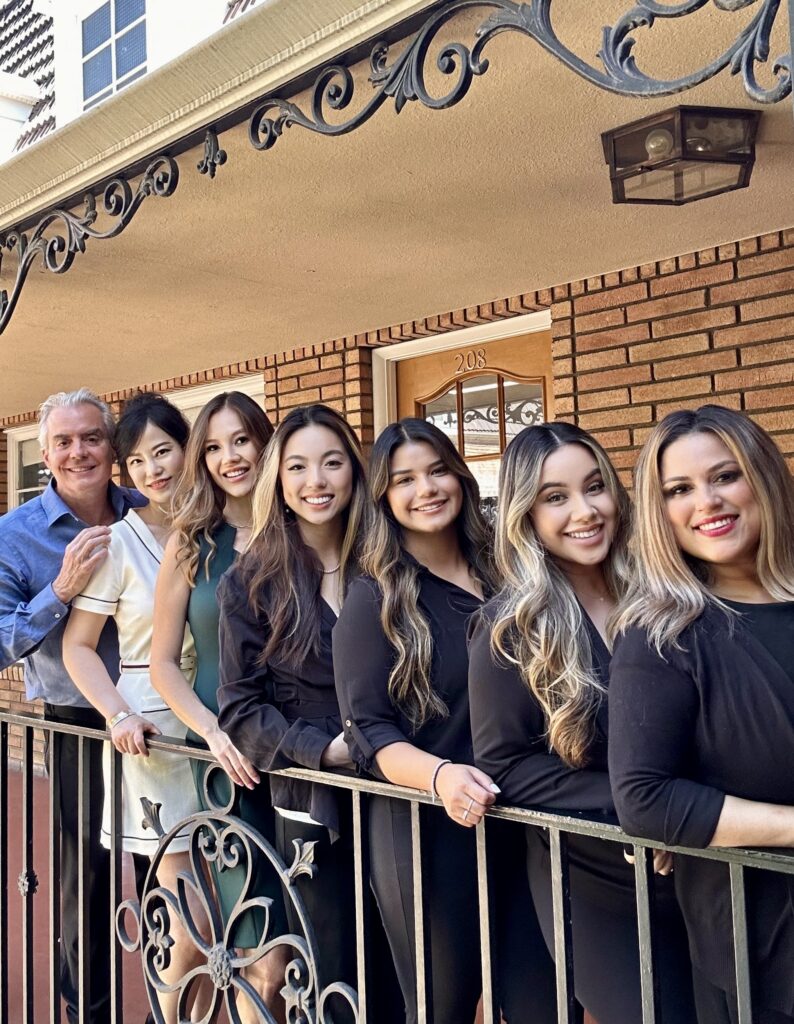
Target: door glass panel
{"type": "Point", "coordinates": [523, 407]}
{"type": "Point", "coordinates": [480, 416]}
{"type": "Point", "coordinates": [442, 412]}
{"type": "Point", "coordinates": [486, 473]}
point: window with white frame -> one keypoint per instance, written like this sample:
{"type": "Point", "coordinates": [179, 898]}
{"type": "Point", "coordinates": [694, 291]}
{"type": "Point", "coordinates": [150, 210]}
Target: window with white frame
{"type": "Point", "coordinates": [114, 48]}
{"type": "Point", "coordinates": [27, 474]}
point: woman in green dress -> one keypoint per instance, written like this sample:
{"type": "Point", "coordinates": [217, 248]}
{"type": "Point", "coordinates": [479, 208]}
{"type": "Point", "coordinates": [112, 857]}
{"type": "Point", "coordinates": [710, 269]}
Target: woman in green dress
{"type": "Point", "coordinates": [212, 521]}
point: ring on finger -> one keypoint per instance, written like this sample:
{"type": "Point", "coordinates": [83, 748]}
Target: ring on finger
{"type": "Point", "coordinates": [471, 804]}
{"type": "Point", "coordinates": [466, 814]}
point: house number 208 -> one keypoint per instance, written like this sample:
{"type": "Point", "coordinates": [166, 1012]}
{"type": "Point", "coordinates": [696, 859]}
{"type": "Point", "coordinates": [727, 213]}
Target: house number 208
{"type": "Point", "coordinates": [474, 359]}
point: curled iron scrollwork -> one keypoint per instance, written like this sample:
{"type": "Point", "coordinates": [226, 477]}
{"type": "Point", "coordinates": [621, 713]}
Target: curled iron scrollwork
{"type": "Point", "coordinates": [61, 234]}
{"type": "Point", "coordinates": [218, 841]}
{"type": "Point", "coordinates": [404, 78]}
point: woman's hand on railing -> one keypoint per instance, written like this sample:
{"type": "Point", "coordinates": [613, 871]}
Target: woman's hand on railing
{"type": "Point", "coordinates": [129, 735]}
{"type": "Point", "coordinates": [336, 754]}
{"type": "Point", "coordinates": [233, 761]}
{"type": "Point", "coordinates": [662, 861]}
{"type": "Point", "coordinates": [466, 792]}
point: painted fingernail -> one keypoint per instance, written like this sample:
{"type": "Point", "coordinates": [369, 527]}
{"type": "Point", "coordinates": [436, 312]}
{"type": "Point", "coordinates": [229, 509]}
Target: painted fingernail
{"type": "Point", "coordinates": [495, 788]}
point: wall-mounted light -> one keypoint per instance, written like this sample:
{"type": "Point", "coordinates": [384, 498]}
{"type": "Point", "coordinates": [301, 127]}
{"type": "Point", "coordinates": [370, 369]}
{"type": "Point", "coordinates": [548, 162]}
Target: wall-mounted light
{"type": "Point", "coordinates": [681, 155]}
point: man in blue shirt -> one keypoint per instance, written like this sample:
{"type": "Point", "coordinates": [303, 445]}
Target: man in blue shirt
{"type": "Point", "coordinates": [49, 548]}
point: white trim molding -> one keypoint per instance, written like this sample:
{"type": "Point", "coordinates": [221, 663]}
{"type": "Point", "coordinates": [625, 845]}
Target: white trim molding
{"type": "Point", "coordinates": [384, 360]}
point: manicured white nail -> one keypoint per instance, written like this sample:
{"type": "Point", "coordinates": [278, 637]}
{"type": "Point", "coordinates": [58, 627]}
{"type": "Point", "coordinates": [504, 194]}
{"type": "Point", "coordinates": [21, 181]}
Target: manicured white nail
{"type": "Point", "coordinates": [495, 788]}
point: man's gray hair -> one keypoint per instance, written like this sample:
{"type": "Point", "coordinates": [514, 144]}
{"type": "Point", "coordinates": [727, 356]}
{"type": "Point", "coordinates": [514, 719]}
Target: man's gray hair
{"type": "Point", "coordinates": [68, 400]}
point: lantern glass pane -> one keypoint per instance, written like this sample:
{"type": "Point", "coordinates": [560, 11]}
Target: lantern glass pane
{"type": "Point", "coordinates": [645, 145]}
{"type": "Point", "coordinates": [707, 135]}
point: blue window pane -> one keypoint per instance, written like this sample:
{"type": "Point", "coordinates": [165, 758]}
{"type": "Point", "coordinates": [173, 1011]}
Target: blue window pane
{"type": "Point", "coordinates": [97, 73]}
{"type": "Point", "coordinates": [96, 28]}
{"type": "Point", "coordinates": [131, 50]}
{"type": "Point", "coordinates": [128, 11]}
{"type": "Point", "coordinates": [136, 74]}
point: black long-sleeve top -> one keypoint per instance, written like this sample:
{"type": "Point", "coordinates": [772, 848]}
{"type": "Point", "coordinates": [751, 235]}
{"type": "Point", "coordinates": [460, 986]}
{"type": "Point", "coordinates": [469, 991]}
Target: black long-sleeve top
{"type": "Point", "coordinates": [511, 745]}
{"type": "Point", "coordinates": [278, 715]}
{"type": "Point", "coordinates": [363, 659]}
{"type": "Point", "coordinates": [712, 719]}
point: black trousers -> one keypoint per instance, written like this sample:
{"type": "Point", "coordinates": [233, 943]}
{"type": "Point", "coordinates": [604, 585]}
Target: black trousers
{"type": "Point", "coordinates": [524, 967]}
{"type": "Point", "coordinates": [450, 887]}
{"type": "Point", "coordinates": [715, 1006]}
{"type": "Point", "coordinates": [63, 768]}
{"type": "Point", "coordinates": [329, 899]}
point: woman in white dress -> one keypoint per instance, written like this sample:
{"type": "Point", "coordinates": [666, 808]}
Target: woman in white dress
{"type": "Point", "coordinates": [150, 442]}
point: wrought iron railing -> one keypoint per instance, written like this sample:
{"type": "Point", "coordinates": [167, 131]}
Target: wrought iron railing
{"type": "Point", "coordinates": [217, 836]}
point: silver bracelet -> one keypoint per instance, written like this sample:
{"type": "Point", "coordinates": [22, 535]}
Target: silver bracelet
{"type": "Point", "coordinates": [434, 779]}
{"type": "Point", "coordinates": [119, 717]}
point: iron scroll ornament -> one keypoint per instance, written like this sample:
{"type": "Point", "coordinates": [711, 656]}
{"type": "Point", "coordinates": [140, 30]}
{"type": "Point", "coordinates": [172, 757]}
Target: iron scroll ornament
{"type": "Point", "coordinates": [61, 234]}
{"type": "Point", "coordinates": [219, 839]}
{"type": "Point", "coordinates": [404, 78]}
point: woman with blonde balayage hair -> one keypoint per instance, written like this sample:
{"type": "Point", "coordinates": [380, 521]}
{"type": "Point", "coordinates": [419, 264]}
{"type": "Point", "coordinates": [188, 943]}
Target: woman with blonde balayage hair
{"type": "Point", "coordinates": [538, 673]}
{"type": "Point", "coordinates": [212, 522]}
{"type": "Point", "coordinates": [702, 689]}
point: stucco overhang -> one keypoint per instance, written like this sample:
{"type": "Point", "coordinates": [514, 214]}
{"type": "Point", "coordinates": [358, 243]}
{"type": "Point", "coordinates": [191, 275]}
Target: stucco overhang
{"type": "Point", "coordinates": [402, 218]}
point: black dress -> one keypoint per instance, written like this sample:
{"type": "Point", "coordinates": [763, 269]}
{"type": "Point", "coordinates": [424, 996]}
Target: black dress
{"type": "Point", "coordinates": [363, 659]}
{"type": "Point", "coordinates": [510, 744]}
{"type": "Point", "coordinates": [281, 716]}
{"type": "Point", "coordinates": [712, 719]}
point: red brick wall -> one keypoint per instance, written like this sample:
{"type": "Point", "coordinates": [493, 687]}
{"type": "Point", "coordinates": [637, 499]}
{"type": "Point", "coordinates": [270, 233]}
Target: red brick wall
{"type": "Point", "coordinates": [717, 325]}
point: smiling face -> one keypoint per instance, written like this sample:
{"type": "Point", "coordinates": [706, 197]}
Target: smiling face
{"type": "Point", "coordinates": [424, 495]}
{"type": "Point", "coordinates": [231, 456]}
{"type": "Point", "coordinates": [316, 474]}
{"type": "Point", "coordinates": [713, 511]}
{"type": "Point", "coordinates": [79, 453]}
{"type": "Point", "coordinates": [155, 463]}
{"type": "Point", "coordinates": [574, 514]}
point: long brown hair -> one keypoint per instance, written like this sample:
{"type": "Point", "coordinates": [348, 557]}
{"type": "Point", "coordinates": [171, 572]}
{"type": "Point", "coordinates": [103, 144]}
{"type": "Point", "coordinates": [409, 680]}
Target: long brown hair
{"type": "Point", "coordinates": [384, 559]}
{"type": "Point", "coordinates": [282, 573]}
{"type": "Point", "coordinates": [199, 501]}
{"type": "Point", "coordinates": [539, 626]}
{"type": "Point", "coordinates": [671, 588]}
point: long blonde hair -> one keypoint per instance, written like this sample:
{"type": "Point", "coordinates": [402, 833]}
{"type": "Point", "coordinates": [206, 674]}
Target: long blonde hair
{"type": "Point", "coordinates": [199, 501]}
{"type": "Point", "coordinates": [282, 573]}
{"type": "Point", "coordinates": [539, 626]}
{"type": "Point", "coordinates": [384, 558]}
{"type": "Point", "coordinates": [671, 589]}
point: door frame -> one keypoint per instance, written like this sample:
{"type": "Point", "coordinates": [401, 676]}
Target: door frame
{"type": "Point", "coordinates": [384, 360]}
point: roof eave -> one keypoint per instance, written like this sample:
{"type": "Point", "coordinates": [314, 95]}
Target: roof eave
{"type": "Point", "coordinates": [274, 45]}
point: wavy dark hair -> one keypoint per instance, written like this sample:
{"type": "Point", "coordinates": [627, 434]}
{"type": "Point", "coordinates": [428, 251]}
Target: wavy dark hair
{"type": "Point", "coordinates": [199, 501]}
{"type": "Point", "coordinates": [384, 558]}
{"type": "Point", "coordinates": [282, 573]}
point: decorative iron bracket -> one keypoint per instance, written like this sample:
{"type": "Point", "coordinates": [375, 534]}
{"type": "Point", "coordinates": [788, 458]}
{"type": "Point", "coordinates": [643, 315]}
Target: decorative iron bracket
{"type": "Point", "coordinates": [60, 234]}
{"type": "Point", "coordinates": [214, 157]}
{"type": "Point", "coordinates": [403, 79]}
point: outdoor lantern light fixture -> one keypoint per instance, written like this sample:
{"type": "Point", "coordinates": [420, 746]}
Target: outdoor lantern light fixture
{"type": "Point", "coordinates": [681, 155]}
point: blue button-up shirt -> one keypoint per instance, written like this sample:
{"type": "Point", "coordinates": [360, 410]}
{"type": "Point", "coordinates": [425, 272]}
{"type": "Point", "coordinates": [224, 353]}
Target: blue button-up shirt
{"type": "Point", "coordinates": [33, 538]}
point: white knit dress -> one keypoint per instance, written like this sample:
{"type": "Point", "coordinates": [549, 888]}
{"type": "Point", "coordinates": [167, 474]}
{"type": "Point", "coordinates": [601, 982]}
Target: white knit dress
{"type": "Point", "coordinates": [123, 589]}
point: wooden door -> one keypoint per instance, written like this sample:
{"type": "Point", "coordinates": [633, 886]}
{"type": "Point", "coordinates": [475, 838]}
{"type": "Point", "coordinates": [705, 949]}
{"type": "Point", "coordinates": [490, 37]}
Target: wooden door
{"type": "Point", "coordinates": [480, 396]}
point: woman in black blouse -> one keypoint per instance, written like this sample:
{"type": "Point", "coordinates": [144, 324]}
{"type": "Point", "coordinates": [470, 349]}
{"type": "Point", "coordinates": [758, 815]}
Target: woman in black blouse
{"type": "Point", "coordinates": [538, 669]}
{"type": "Point", "coordinates": [401, 666]}
{"type": "Point", "coordinates": [702, 691]}
{"type": "Point", "coordinates": [277, 702]}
